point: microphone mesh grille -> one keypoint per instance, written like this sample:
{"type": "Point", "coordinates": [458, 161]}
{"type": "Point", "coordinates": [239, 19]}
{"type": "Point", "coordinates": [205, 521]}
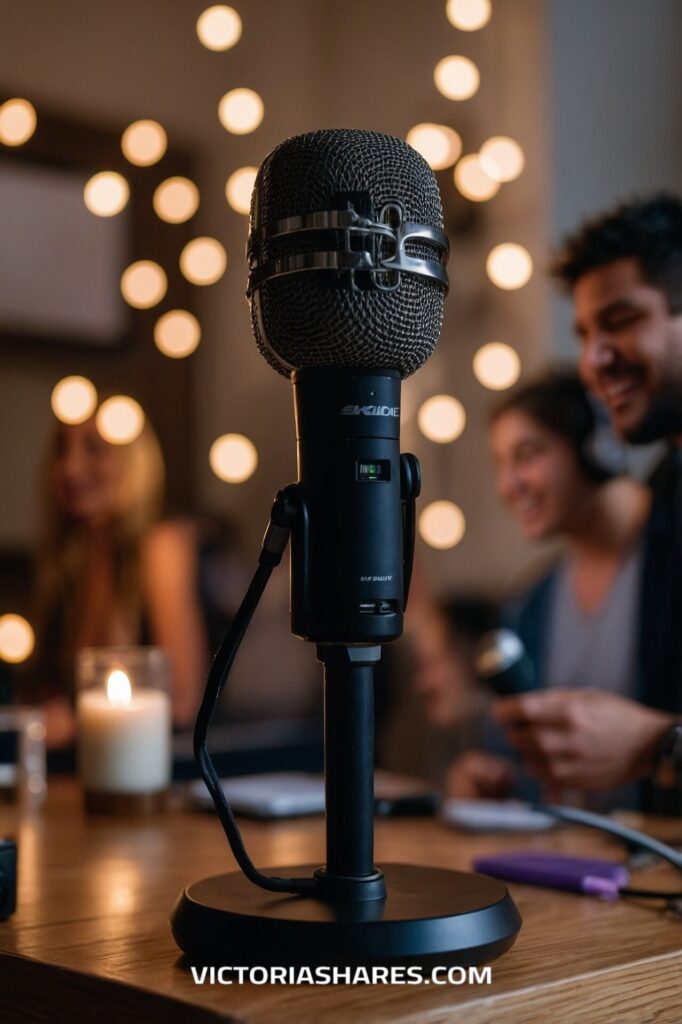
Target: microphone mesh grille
{"type": "Point", "coordinates": [308, 320]}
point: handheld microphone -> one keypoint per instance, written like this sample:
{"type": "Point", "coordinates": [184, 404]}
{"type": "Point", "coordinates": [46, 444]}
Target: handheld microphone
{"type": "Point", "coordinates": [347, 280]}
{"type": "Point", "coordinates": [502, 660]}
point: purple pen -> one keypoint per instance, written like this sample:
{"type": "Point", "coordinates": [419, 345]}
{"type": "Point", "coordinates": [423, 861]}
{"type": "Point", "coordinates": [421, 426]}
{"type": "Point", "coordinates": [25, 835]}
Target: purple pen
{"type": "Point", "coordinates": [557, 871]}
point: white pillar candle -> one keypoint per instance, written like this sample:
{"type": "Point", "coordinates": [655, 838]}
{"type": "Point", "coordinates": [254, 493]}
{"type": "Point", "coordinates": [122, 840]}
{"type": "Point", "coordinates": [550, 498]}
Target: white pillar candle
{"type": "Point", "coordinates": [124, 738]}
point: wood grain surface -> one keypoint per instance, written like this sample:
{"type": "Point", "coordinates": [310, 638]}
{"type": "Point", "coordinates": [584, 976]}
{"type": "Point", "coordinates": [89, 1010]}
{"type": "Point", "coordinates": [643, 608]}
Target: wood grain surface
{"type": "Point", "coordinates": [90, 940]}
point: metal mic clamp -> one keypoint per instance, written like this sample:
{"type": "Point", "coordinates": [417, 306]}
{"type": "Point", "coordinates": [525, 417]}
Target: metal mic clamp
{"type": "Point", "coordinates": [410, 489]}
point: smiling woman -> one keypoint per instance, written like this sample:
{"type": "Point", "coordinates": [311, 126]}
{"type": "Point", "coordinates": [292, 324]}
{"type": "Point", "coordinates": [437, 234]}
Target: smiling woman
{"type": "Point", "coordinates": [110, 574]}
{"type": "Point", "coordinates": [580, 624]}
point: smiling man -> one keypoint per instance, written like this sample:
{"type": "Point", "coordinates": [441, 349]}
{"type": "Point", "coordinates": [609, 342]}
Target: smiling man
{"type": "Point", "coordinates": [624, 271]}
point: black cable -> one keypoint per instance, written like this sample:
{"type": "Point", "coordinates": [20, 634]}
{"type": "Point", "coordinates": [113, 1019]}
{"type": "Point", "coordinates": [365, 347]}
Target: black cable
{"type": "Point", "coordinates": [217, 677]}
{"type": "Point", "coordinates": [651, 894]}
{"type": "Point", "coordinates": [628, 835]}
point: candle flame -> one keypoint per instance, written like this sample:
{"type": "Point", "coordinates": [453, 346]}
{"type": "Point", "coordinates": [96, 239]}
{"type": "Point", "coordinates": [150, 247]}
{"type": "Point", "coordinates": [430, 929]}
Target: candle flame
{"type": "Point", "coordinates": [119, 690]}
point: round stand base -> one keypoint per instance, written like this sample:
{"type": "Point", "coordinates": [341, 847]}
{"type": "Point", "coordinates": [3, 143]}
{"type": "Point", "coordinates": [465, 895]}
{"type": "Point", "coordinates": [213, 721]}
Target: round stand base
{"type": "Point", "coordinates": [429, 915]}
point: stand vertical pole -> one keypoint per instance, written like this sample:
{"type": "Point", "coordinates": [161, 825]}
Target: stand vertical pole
{"type": "Point", "coordinates": [349, 758]}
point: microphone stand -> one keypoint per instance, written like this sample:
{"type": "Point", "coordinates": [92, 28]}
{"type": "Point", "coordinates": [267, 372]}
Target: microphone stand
{"type": "Point", "coordinates": [347, 912]}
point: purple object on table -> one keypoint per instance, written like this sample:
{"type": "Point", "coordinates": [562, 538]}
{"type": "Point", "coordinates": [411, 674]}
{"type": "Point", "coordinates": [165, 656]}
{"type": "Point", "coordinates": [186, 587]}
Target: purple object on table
{"type": "Point", "coordinates": [556, 871]}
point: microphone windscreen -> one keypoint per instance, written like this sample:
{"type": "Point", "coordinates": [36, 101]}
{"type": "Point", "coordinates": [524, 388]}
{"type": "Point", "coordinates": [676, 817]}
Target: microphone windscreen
{"type": "Point", "coordinates": [311, 318]}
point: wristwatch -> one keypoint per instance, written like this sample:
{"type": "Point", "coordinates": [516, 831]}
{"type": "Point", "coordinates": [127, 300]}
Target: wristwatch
{"type": "Point", "coordinates": [668, 764]}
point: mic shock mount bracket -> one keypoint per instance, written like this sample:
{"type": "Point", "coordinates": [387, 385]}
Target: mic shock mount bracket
{"type": "Point", "coordinates": [375, 248]}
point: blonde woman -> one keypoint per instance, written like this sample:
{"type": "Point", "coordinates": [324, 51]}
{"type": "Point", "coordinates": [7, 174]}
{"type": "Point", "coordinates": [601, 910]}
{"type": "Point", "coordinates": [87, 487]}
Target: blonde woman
{"type": "Point", "coordinates": [109, 573]}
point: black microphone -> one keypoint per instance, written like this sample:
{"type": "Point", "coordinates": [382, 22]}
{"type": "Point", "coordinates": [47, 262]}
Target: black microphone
{"type": "Point", "coordinates": [347, 280]}
{"type": "Point", "coordinates": [501, 659]}
{"type": "Point", "coordinates": [346, 286]}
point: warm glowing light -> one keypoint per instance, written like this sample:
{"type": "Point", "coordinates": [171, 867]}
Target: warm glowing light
{"type": "Point", "coordinates": [120, 419]}
{"type": "Point", "coordinates": [241, 111]}
{"type": "Point", "coordinates": [17, 122]}
{"type": "Point", "coordinates": [441, 418]}
{"type": "Point", "coordinates": [442, 524]}
{"type": "Point", "coordinates": [16, 638]}
{"type": "Point", "coordinates": [119, 690]}
{"type": "Point", "coordinates": [509, 265]}
{"type": "Point", "coordinates": [106, 193]}
{"type": "Point", "coordinates": [457, 78]}
{"type": "Point", "coordinates": [144, 284]}
{"type": "Point", "coordinates": [239, 188]}
{"type": "Point", "coordinates": [73, 399]}
{"type": "Point", "coordinates": [177, 333]}
{"type": "Point", "coordinates": [472, 181]}
{"type": "Point", "coordinates": [203, 260]}
{"type": "Point", "coordinates": [497, 366]}
{"type": "Point", "coordinates": [176, 200]}
{"type": "Point", "coordinates": [439, 145]}
{"type": "Point", "coordinates": [233, 458]}
{"type": "Point", "coordinates": [219, 27]}
{"type": "Point", "coordinates": [468, 15]}
{"type": "Point", "coordinates": [502, 158]}
{"type": "Point", "coordinates": [144, 143]}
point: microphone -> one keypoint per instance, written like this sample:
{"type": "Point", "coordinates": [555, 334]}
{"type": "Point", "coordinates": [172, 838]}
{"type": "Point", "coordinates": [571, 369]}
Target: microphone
{"type": "Point", "coordinates": [502, 660]}
{"type": "Point", "coordinates": [346, 285]}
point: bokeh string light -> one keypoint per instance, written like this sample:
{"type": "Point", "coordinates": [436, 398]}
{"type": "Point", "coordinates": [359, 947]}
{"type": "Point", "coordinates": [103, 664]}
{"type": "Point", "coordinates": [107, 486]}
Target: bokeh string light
{"type": "Point", "coordinates": [497, 366]}
{"type": "Point", "coordinates": [203, 261]}
{"type": "Point", "coordinates": [177, 333]}
{"type": "Point", "coordinates": [442, 524]}
{"type": "Point", "coordinates": [176, 200]}
{"type": "Point", "coordinates": [233, 458]}
{"type": "Point", "coordinates": [456, 77]}
{"type": "Point", "coordinates": [219, 27]}
{"type": "Point", "coordinates": [437, 143]}
{"type": "Point", "coordinates": [509, 266]}
{"type": "Point", "coordinates": [239, 187]}
{"type": "Point", "coordinates": [472, 180]}
{"type": "Point", "coordinates": [18, 120]}
{"type": "Point", "coordinates": [17, 639]}
{"type": "Point", "coordinates": [441, 418]}
{"type": "Point", "coordinates": [240, 111]}
{"type": "Point", "coordinates": [144, 143]}
{"type": "Point", "coordinates": [105, 194]}
{"type": "Point", "coordinates": [468, 15]}
{"type": "Point", "coordinates": [502, 158]}
{"type": "Point", "coordinates": [120, 419]}
{"type": "Point", "coordinates": [144, 284]}
{"type": "Point", "coordinates": [73, 399]}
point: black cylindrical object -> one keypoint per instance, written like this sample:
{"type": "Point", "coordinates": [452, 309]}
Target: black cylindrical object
{"type": "Point", "coordinates": [349, 759]}
{"type": "Point", "coordinates": [347, 547]}
{"type": "Point", "coordinates": [8, 878]}
{"type": "Point", "coordinates": [502, 660]}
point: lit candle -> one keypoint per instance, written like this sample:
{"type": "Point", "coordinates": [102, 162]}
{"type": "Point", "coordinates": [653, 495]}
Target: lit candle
{"type": "Point", "coordinates": [124, 737]}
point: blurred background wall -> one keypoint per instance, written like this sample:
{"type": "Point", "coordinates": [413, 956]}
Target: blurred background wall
{"type": "Point", "coordinates": [545, 66]}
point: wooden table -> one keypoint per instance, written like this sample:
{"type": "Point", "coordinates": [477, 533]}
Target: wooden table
{"type": "Point", "coordinates": [90, 940]}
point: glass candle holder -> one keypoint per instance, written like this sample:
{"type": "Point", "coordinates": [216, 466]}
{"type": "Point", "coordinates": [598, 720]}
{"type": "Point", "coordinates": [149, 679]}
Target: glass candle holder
{"type": "Point", "coordinates": [22, 755]}
{"type": "Point", "coordinates": [123, 715]}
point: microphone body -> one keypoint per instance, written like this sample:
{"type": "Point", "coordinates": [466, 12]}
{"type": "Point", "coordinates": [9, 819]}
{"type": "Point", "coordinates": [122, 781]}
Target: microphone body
{"type": "Point", "coordinates": [347, 553]}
